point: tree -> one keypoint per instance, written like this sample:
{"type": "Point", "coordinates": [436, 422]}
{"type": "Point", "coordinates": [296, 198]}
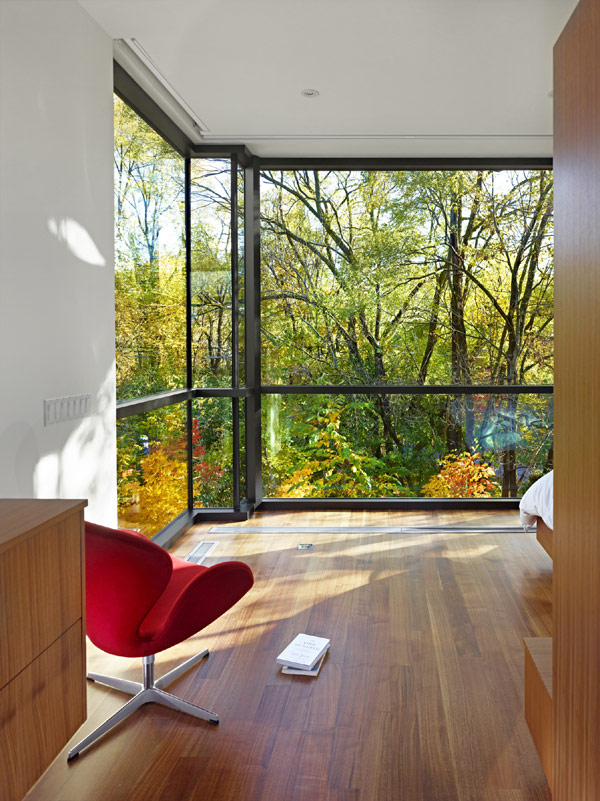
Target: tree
{"type": "Point", "coordinates": [150, 259]}
{"type": "Point", "coordinates": [367, 278]}
{"type": "Point", "coordinates": [462, 476]}
{"type": "Point", "coordinates": [372, 278]}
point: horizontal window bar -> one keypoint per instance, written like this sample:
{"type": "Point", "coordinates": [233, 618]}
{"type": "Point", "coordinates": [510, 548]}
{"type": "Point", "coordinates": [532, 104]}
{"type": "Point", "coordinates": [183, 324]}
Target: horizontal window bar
{"type": "Point", "coordinates": [222, 392]}
{"type": "Point", "coordinates": [397, 504]}
{"type": "Point", "coordinates": [402, 164]}
{"type": "Point", "coordinates": [227, 515]}
{"type": "Point", "coordinates": [216, 150]}
{"type": "Point", "coordinates": [152, 402]}
{"type": "Point", "coordinates": [407, 389]}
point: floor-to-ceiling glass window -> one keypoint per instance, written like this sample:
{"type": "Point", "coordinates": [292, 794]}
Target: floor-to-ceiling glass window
{"type": "Point", "coordinates": [405, 322]}
{"type": "Point", "coordinates": [150, 316]}
{"type": "Point", "coordinates": [407, 332]}
{"type": "Point", "coordinates": [216, 283]}
{"type": "Point", "coordinates": [178, 324]}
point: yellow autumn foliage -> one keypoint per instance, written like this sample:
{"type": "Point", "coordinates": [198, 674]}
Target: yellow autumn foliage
{"type": "Point", "coordinates": [462, 475]}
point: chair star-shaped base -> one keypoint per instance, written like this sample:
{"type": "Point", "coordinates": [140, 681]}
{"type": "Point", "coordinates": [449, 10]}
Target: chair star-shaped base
{"type": "Point", "coordinates": [150, 691]}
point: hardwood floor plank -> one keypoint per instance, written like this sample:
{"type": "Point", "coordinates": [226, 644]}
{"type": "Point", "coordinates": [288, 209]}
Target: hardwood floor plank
{"type": "Point", "coordinates": [420, 696]}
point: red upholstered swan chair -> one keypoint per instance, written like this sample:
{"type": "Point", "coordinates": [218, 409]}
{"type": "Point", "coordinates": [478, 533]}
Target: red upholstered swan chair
{"type": "Point", "coordinates": [141, 600]}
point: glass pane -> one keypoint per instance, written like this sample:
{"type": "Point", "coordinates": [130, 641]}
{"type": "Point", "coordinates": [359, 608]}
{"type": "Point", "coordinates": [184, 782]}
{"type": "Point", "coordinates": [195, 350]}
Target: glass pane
{"type": "Point", "coordinates": [152, 468]}
{"type": "Point", "coordinates": [212, 452]}
{"type": "Point", "coordinates": [243, 484]}
{"type": "Point", "coordinates": [149, 259]}
{"type": "Point", "coordinates": [241, 279]}
{"type": "Point", "coordinates": [211, 272]}
{"type": "Point", "coordinates": [422, 277]}
{"type": "Point", "coordinates": [359, 446]}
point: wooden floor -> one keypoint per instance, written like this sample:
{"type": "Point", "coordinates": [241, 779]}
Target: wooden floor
{"type": "Point", "coordinates": [420, 697]}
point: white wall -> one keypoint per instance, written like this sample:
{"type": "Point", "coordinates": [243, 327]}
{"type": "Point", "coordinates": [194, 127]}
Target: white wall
{"type": "Point", "coordinates": [56, 253]}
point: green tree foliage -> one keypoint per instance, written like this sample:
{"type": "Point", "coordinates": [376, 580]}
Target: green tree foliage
{"type": "Point", "coordinates": [462, 475]}
{"type": "Point", "coordinates": [150, 298]}
{"type": "Point", "coordinates": [211, 272]}
{"type": "Point", "coordinates": [412, 278]}
{"type": "Point", "coordinates": [149, 259]}
{"type": "Point", "coordinates": [334, 463]}
{"type": "Point", "coordinates": [367, 278]}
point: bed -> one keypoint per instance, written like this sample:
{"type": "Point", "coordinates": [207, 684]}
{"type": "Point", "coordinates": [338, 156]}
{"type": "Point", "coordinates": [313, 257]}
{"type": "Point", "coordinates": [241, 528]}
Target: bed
{"type": "Point", "coordinates": [537, 509]}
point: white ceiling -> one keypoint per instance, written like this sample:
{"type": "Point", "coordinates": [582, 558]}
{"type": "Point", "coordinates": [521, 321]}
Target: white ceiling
{"type": "Point", "coordinates": [396, 77]}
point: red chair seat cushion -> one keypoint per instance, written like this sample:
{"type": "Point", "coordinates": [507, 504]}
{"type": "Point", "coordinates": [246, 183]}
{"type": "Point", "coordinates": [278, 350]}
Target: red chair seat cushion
{"type": "Point", "coordinates": [193, 598]}
{"type": "Point", "coordinates": [141, 600]}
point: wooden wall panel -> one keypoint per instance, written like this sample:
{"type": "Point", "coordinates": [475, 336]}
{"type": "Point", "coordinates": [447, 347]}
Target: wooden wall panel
{"type": "Point", "coordinates": [576, 547]}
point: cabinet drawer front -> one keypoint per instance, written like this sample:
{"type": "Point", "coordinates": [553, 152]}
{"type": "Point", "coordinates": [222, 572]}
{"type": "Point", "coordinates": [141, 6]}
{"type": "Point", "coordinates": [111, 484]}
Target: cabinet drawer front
{"type": "Point", "coordinates": [40, 710]}
{"type": "Point", "coordinates": [40, 593]}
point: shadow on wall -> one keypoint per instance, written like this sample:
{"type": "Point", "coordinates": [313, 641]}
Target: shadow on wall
{"type": "Point", "coordinates": [85, 467]}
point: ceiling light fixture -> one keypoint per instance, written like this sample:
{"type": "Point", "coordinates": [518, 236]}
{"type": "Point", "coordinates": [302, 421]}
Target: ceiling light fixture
{"type": "Point", "coordinates": [139, 65]}
{"type": "Point", "coordinates": [310, 93]}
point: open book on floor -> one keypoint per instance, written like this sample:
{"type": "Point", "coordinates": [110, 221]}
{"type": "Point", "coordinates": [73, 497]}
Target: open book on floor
{"type": "Point", "coordinates": [303, 652]}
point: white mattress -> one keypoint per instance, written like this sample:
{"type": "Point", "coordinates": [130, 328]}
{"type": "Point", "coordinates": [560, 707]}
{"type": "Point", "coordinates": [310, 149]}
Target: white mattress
{"type": "Point", "coordinates": [538, 501]}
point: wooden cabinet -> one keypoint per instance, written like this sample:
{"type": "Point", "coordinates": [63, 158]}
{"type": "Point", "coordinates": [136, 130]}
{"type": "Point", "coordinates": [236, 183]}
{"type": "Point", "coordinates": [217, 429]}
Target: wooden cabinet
{"type": "Point", "coordinates": [538, 698]}
{"type": "Point", "coordinates": [570, 749]}
{"type": "Point", "coordinates": [42, 636]}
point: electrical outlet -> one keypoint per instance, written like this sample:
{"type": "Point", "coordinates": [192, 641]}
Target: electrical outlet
{"type": "Point", "coordinates": [61, 410]}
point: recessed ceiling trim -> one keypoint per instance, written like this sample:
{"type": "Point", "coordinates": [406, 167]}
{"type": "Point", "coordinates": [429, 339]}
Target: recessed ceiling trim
{"type": "Point", "coordinates": [318, 137]}
{"type": "Point", "coordinates": [132, 57]}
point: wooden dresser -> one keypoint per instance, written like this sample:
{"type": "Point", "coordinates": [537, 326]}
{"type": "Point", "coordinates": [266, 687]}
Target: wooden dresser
{"type": "Point", "coordinates": [42, 636]}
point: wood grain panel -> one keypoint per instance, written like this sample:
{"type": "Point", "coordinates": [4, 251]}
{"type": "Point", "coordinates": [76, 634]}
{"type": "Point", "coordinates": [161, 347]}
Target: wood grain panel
{"type": "Point", "coordinates": [420, 698]}
{"type": "Point", "coordinates": [24, 517]}
{"type": "Point", "coordinates": [40, 591]}
{"type": "Point", "coordinates": [39, 710]}
{"type": "Point", "coordinates": [538, 697]}
{"type": "Point", "coordinates": [576, 547]}
{"type": "Point", "coordinates": [544, 536]}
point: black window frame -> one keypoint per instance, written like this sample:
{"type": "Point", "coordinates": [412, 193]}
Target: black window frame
{"type": "Point", "coordinates": [252, 391]}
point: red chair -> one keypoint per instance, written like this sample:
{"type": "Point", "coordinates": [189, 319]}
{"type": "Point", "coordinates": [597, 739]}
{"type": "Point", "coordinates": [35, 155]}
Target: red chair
{"type": "Point", "coordinates": [141, 600]}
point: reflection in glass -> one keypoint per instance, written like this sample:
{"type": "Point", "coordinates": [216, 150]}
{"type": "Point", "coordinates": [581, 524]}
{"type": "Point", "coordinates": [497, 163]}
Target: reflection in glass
{"type": "Point", "coordinates": [211, 272]}
{"type": "Point", "coordinates": [344, 446]}
{"type": "Point", "coordinates": [150, 298]}
{"type": "Point", "coordinates": [212, 452]}
{"type": "Point", "coordinates": [152, 468]}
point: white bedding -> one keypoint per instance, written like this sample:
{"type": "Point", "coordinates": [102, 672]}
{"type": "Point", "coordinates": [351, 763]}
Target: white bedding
{"type": "Point", "coordinates": [538, 501]}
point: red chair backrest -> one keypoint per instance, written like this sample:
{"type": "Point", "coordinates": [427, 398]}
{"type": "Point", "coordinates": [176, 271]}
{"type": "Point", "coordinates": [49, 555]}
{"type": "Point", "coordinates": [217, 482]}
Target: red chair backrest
{"type": "Point", "coordinates": [125, 575]}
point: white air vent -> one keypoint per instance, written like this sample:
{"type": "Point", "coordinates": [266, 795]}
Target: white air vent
{"type": "Point", "coordinates": [61, 410]}
{"type": "Point", "coordinates": [198, 554]}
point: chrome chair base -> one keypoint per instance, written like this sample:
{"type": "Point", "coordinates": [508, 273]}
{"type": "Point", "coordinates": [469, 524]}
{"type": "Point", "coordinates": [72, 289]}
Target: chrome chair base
{"type": "Point", "coordinates": [150, 691]}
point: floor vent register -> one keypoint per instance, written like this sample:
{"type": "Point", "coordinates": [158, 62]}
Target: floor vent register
{"type": "Point", "coordinates": [199, 553]}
